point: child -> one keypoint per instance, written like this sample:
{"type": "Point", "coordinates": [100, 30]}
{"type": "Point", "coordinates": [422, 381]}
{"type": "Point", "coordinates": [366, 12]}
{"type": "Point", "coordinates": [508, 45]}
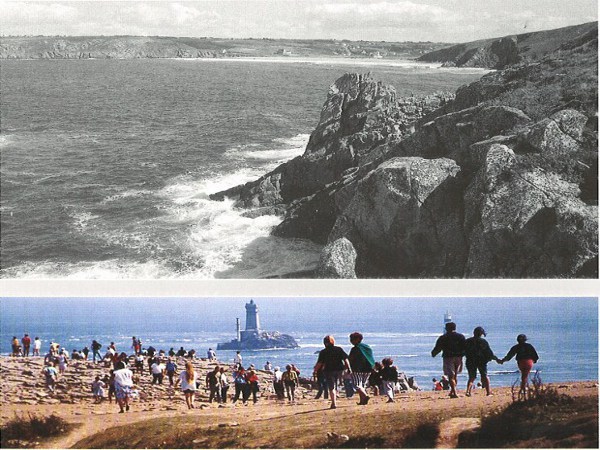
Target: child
{"type": "Point", "coordinates": [437, 386]}
{"type": "Point", "coordinates": [98, 389]}
{"type": "Point", "coordinates": [290, 380]}
{"type": "Point", "coordinates": [111, 386]}
{"type": "Point", "coordinates": [389, 377]}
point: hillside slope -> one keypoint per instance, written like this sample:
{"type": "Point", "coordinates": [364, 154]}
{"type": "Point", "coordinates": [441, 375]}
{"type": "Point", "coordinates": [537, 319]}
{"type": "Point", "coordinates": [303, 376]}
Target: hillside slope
{"type": "Point", "coordinates": [501, 52]}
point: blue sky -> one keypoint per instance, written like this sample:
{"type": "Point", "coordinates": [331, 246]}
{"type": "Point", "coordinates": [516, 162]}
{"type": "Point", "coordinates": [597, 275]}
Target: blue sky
{"type": "Point", "coordinates": [390, 20]}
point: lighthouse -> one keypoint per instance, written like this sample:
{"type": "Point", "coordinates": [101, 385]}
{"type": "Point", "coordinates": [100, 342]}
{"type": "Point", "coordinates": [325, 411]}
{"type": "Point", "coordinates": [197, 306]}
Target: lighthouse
{"type": "Point", "coordinates": [253, 338]}
{"type": "Point", "coordinates": [252, 322]}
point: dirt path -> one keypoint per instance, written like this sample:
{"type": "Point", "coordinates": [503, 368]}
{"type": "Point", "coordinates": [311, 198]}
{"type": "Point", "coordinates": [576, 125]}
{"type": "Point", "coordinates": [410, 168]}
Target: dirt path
{"type": "Point", "coordinates": [450, 430]}
{"type": "Point", "coordinates": [304, 422]}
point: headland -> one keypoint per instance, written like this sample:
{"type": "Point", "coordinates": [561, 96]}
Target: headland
{"type": "Point", "coordinates": [497, 180]}
{"type": "Point", "coordinates": [159, 417]}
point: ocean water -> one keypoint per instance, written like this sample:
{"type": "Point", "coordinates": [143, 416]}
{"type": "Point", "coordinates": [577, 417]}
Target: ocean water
{"type": "Point", "coordinates": [563, 330]}
{"type": "Point", "coordinates": [106, 166]}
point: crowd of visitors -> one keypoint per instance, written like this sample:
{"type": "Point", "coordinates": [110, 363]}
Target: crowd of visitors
{"type": "Point", "coordinates": [355, 372]}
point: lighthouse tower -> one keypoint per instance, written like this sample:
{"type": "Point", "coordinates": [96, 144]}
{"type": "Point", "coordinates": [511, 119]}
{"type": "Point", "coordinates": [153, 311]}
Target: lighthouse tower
{"type": "Point", "coordinates": [252, 321]}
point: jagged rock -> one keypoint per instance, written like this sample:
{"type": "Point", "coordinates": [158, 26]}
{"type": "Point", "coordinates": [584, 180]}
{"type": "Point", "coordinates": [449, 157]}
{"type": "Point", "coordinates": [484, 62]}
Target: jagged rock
{"type": "Point", "coordinates": [547, 137]}
{"type": "Point", "coordinates": [359, 115]}
{"type": "Point", "coordinates": [338, 260]}
{"type": "Point", "coordinates": [526, 223]}
{"type": "Point", "coordinates": [405, 218]}
{"type": "Point", "coordinates": [451, 135]}
{"type": "Point", "coordinates": [570, 122]}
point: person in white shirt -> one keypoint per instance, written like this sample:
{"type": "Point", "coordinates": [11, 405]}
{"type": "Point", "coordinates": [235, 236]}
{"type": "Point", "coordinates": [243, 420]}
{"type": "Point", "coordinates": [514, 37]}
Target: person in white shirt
{"type": "Point", "coordinates": [278, 383]}
{"type": "Point", "coordinates": [237, 361]}
{"type": "Point", "coordinates": [187, 378]}
{"type": "Point", "coordinates": [123, 387]}
{"type": "Point", "coordinates": [37, 346]}
{"type": "Point", "coordinates": [158, 371]}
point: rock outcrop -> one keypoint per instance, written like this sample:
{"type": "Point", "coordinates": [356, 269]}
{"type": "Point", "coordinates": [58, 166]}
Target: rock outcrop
{"type": "Point", "coordinates": [500, 181]}
{"type": "Point", "coordinates": [261, 341]}
{"type": "Point", "coordinates": [338, 260]}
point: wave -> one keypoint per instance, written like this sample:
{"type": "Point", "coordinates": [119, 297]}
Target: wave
{"type": "Point", "coordinates": [82, 219]}
{"type": "Point", "coordinates": [6, 140]}
{"type": "Point", "coordinates": [126, 194]}
{"type": "Point", "coordinates": [109, 269]}
{"type": "Point", "coordinates": [284, 150]}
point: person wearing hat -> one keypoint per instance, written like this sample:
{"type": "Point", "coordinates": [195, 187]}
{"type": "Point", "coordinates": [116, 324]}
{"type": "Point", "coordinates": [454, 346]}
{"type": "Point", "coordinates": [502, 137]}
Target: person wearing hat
{"type": "Point", "coordinates": [452, 344]}
{"type": "Point", "coordinates": [526, 358]}
{"type": "Point", "coordinates": [477, 355]}
{"type": "Point", "coordinates": [332, 360]}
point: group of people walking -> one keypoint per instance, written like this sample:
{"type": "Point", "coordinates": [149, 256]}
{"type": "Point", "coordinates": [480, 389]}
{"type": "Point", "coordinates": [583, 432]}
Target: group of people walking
{"type": "Point", "coordinates": [477, 353]}
{"type": "Point", "coordinates": [334, 364]}
{"type": "Point", "coordinates": [357, 370]}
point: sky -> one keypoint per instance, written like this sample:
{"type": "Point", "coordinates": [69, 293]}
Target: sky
{"type": "Point", "coordinates": [388, 20]}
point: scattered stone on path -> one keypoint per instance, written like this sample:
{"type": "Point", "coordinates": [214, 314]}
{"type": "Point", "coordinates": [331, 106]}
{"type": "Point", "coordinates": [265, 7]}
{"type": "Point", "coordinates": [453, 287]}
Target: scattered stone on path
{"type": "Point", "coordinates": [337, 439]}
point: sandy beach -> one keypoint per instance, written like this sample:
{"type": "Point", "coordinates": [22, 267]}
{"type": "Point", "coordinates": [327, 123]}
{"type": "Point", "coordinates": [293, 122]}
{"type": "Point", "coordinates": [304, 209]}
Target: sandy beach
{"type": "Point", "coordinates": [268, 423]}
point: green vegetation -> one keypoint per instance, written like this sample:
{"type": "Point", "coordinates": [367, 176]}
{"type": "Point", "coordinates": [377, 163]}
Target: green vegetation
{"type": "Point", "coordinates": [21, 431]}
{"type": "Point", "coordinates": [549, 420]}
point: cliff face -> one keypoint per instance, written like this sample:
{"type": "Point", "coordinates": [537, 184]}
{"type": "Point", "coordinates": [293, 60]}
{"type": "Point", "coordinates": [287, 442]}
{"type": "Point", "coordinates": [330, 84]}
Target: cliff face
{"type": "Point", "coordinates": [500, 53]}
{"type": "Point", "coordinates": [129, 47]}
{"type": "Point", "coordinates": [499, 182]}
{"type": "Point", "coordinates": [117, 47]}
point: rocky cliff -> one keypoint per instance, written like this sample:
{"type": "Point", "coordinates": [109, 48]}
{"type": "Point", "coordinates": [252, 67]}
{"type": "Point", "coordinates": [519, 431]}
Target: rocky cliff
{"type": "Point", "coordinates": [502, 52]}
{"type": "Point", "coordinates": [131, 47]}
{"type": "Point", "coordinates": [500, 181]}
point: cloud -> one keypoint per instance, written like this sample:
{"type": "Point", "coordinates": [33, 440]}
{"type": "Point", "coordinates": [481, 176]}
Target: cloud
{"type": "Point", "coordinates": [381, 20]}
{"type": "Point", "coordinates": [383, 13]}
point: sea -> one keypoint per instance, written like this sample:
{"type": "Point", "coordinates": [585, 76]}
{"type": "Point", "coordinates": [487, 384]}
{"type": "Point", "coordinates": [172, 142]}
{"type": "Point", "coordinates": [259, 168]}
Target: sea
{"type": "Point", "coordinates": [107, 165]}
{"type": "Point", "coordinates": [563, 330]}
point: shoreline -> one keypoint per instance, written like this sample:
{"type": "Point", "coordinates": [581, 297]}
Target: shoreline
{"type": "Point", "coordinates": [366, 62]}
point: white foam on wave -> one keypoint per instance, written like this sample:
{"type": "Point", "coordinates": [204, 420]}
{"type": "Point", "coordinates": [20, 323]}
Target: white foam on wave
{"type": "Point", "coordinates": [286, 149]}
{"type": "Point", "coordinates": [126, 194]}
{"type": "Point", "coordinates": [274, 155]}
{"type": "Point", "coordinates": [97, 270]}
{"type": "Point", "coordinates": [217, 233]}
{"type": "Point", "coordinates": [6, 140]}
{"type": "Point", "coordinates": [82, 219]}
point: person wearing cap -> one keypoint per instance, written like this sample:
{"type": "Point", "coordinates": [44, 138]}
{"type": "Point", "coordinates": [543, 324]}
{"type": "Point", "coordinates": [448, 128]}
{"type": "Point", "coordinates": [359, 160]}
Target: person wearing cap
{"type": "Point", "coordinates": [452, 346]}
{"type": "Point", "coordinates": [526, 358]}
{"type": "Point", "coordinates": [332, 360]}
{"type": "Point", "coordinates": [477, 355]}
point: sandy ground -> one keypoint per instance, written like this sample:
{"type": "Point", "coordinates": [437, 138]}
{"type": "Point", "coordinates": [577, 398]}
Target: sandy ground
{"type": "Point", "coordinates": [95, 418]}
